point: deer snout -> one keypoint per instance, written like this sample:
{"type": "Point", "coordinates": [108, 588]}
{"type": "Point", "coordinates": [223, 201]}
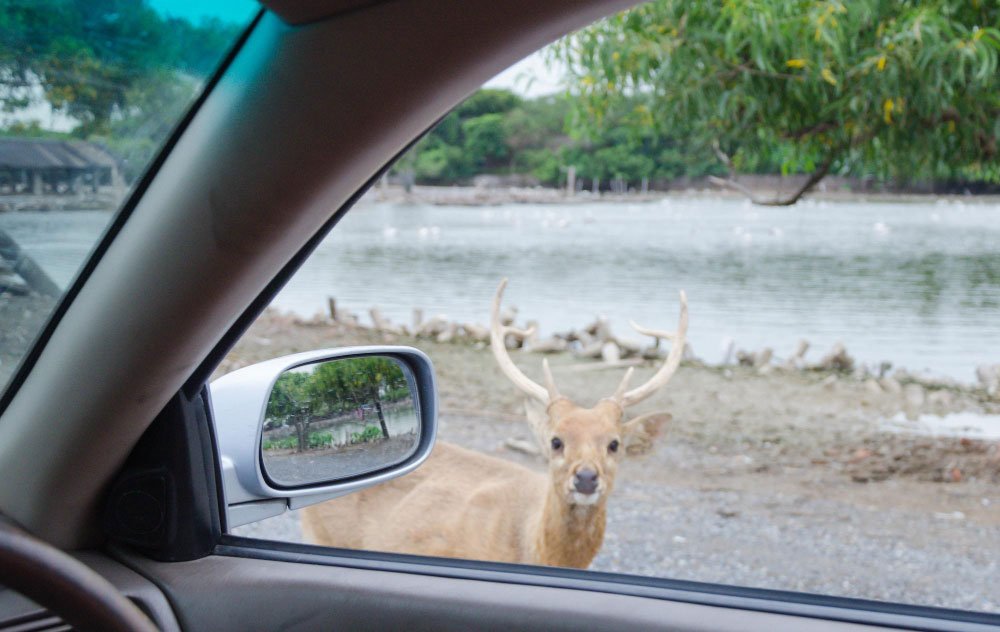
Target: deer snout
{"type": "Point", "coordinates": [585, 481]}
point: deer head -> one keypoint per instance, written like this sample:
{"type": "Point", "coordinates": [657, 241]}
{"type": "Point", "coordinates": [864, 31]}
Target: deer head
{"type": "Point", "coordinates": [584, 445]}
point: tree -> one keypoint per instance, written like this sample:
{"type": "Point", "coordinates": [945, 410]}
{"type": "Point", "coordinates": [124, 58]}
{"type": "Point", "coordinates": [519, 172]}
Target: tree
{"type": "Point", "coordinates": [471, 139]}
{"type": "Point", "coordinates": [485, 139]}
{"type": "Point", "coordinates": [536, 124]}
{"type": "Point", "coordinates": [344, 385]}
{"type": "Point", "coordinates": [107, 63]}
{"type": "Point", "coordinates": [291, 402]}
{"type": "Point", "coordinates": [488, 101]}
{"type": "Point", "coordinates": [891, 88]}
{"type": "Point", "coordinates": [330, 388]}
{"type": "Point", "coordinates": [374, 379]}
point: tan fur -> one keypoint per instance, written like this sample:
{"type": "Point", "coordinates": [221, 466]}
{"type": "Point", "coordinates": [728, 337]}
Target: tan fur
{"type": "Point", "coordinates": [465, 504]}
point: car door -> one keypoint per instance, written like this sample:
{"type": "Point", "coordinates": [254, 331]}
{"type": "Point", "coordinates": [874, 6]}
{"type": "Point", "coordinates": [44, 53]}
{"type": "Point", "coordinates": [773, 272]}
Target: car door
{"type": "Point", "coordinates": [310, 107]}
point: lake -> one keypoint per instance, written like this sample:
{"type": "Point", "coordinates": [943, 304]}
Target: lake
{"type": "Point", "coordinates": [917, 284]}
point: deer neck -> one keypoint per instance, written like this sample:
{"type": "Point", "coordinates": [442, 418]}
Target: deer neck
{"type": "Point", "coordinates": [569, 535]}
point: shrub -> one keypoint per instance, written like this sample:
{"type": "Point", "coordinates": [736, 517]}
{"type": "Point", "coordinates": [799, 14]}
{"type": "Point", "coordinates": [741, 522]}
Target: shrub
{"type": "Point", "coordinates": [320, 439]}
{"type": "Point", "coordinates": [280, 444]}
{"type": "Point", "coordinates": [370, 433]}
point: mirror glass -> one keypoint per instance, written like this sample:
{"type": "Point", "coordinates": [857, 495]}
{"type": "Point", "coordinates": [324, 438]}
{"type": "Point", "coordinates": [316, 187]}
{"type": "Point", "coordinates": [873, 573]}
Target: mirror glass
{"type": "Point", "coordinates": [339, 418]}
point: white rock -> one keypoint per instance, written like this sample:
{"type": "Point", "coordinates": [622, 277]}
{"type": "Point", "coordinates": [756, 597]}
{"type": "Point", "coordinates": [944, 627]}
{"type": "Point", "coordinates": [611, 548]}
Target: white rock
{"type": "Point", "coordinates": [940, 399]}
{"type": "Point", "coordinates": [892, 385]}
{"type": "Point", "coordinates": [872, 386]}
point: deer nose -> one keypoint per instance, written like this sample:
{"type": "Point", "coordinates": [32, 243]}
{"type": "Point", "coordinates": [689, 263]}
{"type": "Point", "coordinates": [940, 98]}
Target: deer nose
{"type": "Point", "coordinates": [585, 481]}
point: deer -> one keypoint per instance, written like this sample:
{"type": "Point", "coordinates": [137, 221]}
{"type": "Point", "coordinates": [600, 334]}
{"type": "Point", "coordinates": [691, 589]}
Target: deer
{"type": "Point", "coordinates": [465, 504]}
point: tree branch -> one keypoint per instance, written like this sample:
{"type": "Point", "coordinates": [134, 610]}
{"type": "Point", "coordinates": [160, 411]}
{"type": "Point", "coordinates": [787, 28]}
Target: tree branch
{"type": "Point", "coordinates": [810, 129]}
{"type": "Point", "coordinates": [814, 178]}
{"type": "Point", "coordinates": [721, 155]}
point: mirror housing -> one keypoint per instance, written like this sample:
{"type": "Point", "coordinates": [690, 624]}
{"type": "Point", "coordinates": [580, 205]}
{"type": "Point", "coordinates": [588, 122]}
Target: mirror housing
{"type": "Point", "coordinates": [239, 403]}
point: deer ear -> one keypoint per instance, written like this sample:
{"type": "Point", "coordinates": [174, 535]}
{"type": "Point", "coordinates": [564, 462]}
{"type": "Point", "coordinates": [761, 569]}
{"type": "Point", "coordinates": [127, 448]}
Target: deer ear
{"type": "Point", "coordinates": [639, 433]}
{"type": "Point", "coordinates": [538, 418]}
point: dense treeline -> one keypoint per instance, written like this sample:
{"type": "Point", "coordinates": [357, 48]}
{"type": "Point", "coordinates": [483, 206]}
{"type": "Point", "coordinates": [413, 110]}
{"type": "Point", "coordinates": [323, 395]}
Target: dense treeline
{"type": "Point", "coordinates": [894, 90]}
{"type": "Point", "coordinates": [497, 132]}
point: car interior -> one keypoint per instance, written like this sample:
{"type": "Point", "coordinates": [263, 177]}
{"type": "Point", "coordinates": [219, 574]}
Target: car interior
{"type": "Point", "coordinates": [119, 521]}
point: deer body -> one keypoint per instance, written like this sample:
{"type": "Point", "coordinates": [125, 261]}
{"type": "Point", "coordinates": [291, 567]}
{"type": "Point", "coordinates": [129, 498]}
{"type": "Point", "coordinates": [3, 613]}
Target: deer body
{"type": "Point", "coordinates": [462, 503]}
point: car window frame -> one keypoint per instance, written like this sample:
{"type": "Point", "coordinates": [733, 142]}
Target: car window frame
{"type": "Point", "coordinates": [783, 602]}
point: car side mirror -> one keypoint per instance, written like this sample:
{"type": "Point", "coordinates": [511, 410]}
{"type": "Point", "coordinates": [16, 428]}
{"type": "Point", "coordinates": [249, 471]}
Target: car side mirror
{"type": "Point", "coordinates": [305, 428]}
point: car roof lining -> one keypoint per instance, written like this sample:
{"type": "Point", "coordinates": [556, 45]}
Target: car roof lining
{"type": "Point", "coordinates": [304, 11]}
{"type": "Point", "coordinates": [255, 175]}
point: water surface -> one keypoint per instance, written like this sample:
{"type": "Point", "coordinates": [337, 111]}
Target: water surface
{"type": "Point", "coordinates": [917, 284]}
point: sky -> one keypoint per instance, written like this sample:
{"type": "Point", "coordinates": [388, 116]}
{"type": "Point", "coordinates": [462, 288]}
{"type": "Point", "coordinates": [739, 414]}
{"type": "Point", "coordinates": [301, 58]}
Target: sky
{"type": "Point", "coordinates": [531, 77]}
{"type": "Point", "coordinates": [194, 10]}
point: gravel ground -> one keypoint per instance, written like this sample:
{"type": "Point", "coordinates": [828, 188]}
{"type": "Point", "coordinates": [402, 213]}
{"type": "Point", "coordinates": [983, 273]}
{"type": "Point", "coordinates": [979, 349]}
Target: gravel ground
{"type": "Point", "coordinates": [793, 530]}
{"type": "Point", "coordinates": [291, 468]}
{"type": "Point", "coordinates": [787, 481]}
{"type": "Point", "coordinates": [21, 318]}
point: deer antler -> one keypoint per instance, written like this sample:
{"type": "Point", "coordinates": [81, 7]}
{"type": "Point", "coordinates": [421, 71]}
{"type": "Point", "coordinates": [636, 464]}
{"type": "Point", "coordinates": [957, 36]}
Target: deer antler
{"type": "Point", "coordinates": [498, 332]}
{"type": "Point", "coordinates": [629, 398]}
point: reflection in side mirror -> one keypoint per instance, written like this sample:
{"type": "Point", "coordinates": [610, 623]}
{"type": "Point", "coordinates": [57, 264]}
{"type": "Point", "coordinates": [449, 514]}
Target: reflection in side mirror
{"type": "Point", "coordinates": [319, 435]}
{"type": "Point", "coordinates": [339, 418]}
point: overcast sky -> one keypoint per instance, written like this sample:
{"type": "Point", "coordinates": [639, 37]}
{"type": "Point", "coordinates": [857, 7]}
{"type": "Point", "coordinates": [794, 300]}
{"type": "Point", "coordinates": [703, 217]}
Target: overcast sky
{"type": "Point", "coordinates": [530, 77]}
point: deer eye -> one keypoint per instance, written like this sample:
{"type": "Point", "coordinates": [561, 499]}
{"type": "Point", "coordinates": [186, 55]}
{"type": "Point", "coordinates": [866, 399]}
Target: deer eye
{"type": "Point", "coordinates": [613, 446]}
{"type": "Point", "coordinates": [557, 443]}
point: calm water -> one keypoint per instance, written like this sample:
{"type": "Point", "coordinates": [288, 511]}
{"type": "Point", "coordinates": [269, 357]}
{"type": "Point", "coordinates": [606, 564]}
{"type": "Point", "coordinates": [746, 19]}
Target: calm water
{"type": "Point", "coordinates": [916, 284]}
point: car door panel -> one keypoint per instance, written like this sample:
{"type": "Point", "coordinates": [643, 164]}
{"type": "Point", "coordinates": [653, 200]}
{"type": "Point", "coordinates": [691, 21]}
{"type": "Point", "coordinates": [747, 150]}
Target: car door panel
{"type": "Point", "coordinates": [259, 594]}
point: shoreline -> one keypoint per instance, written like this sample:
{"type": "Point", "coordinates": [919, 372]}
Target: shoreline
{"type": "Point", "coordinates": [808, 416]}
{"type": "Point", "coordinates": [499, 195]}
{"type": "Point", "coordinates": [503, 195]}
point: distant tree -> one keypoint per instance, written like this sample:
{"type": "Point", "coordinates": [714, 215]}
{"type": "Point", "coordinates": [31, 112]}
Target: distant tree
{"type": "Point", "coordinates": [292, 403]}
{"type": "Point", "coordinates": [536, 124]}
{"type": "Point", "coordinates": [893, 88]}
{"type": "Point", "coordinates": [435, 161]}
{"type": "Point", "coordinates": [373, 379]}
{"type": "Point", "coordinates": [470, 140]}
{"type": "Point", "coordinates": [485, 140]}
{"type": "Point", "coordinates": [115, 66]}
{"type": "Point", "coordinates": [488, 101]}
{"type": "Point", "coordinates": [534, 132]}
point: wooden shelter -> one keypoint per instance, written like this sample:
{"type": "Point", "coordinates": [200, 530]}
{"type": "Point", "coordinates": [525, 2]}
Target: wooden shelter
{"type": "Point", "coordinates": [36, 166]}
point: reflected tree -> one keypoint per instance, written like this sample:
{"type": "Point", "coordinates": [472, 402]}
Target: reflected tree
{"type": "Point", "coordinates": [359, 382]}
{"type": "Point", "coordinates": [334, 388]}
{"type": "Point", "coordinates": [292, 403]}
{"type": "Point", "coordinates": [380, 377]}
